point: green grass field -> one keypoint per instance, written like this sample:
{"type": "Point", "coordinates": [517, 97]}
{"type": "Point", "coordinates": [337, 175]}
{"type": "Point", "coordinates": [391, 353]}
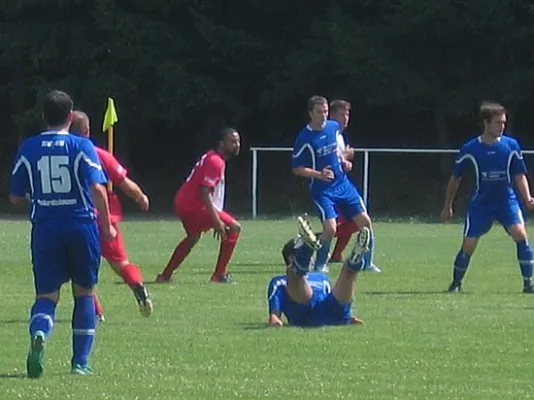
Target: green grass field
{"type": "Point", "coordinates": [209, 341]}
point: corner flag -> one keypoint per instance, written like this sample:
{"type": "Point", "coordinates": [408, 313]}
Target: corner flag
{"type": "Point", "coordinates": [110, 119]}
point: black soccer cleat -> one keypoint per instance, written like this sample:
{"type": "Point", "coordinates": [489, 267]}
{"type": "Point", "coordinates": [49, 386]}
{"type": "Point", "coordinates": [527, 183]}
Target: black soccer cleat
{"type": "Point", "coordinates": [455, 287]}
{"type": "Point", "coordinates": [143, 300]}
{"type": "Point", "coordinates": [528, 288]}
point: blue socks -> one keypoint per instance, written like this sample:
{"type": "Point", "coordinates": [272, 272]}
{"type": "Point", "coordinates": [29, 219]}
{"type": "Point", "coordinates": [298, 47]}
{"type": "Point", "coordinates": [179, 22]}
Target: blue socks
{"type": "Point", "coordinates": [302, 259]}
{"type": "Point", "coordinates": [461, 262]}
{"type": "Point", "coordinates": [369, 255]}
{"type": "Point", "coordinates": [322, 255]}
{"type": "Point", "coordinates": [42, 316]}
{"type": "Point", "coordinates": [83, 329]}
{"type": "Point", "coordinates": [525, 258]}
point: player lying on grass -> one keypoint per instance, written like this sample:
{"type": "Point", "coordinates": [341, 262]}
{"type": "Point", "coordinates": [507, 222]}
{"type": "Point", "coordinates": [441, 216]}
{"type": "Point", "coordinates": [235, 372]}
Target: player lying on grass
{"type": "Point", "coordinates": [114, 251]}
{"type": "Point", "coordinates": [307, 298]}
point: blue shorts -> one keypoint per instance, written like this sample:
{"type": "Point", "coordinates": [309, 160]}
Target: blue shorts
{"type": "Point", "coordinates": [63, 251]}
{"type": "Point", "coordinates": [344, 198]}
{"type": "Point", "coordinates": [322, 309]}
{"type": "Point", "coordinates": [480, 219]}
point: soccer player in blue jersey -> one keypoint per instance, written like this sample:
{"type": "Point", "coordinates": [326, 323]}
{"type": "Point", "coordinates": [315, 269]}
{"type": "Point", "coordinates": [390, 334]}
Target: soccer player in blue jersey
{"type": "Point", "coordinates": [308, 299]}
{"type": "Point", "coordinates": [340, 112]}
{"type": "Point", "coordinates": [62, 178]}
{"type": "Point", "coordinates": [498, 166]}
{"type": "Point", "coordinates": [316, 158]}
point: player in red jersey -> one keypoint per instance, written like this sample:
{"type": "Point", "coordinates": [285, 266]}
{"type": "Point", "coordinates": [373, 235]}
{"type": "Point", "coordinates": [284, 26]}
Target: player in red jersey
{"type": "Point", "coordinates": [114, 251]}
{"type": "Point", "coordinates": [199, 205]}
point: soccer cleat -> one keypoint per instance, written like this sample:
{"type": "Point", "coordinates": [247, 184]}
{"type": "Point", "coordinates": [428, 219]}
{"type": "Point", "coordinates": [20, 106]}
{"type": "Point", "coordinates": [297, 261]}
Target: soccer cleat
{"type": "Point", "coordinates": [307, 234]}
{"type": "Point", "coordinates": [361, 245]}
{"type": "Point", "coordinates": [34, 362]}
{"type": "Point", "coordinates": [162, 279]}
{"type": "Point", "coordinates": [81, 370]}
{"type": "Point", "coordinates": [143, 299]}
{"type": "Point", "coordinates": [100, 318]}
{"type": "Point", "coordinates": [226, 278]}
{"type": "Point", "coordinates": [455, 287]}
{"type": "Point", "coordinates": [372, 268]}
{"type": "Point", "coordinates": [528, 288]}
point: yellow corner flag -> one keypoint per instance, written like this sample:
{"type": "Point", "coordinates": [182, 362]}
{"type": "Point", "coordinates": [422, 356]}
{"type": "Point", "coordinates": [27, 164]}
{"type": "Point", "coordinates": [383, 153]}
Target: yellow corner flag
{"type": "Point", "coordinates": [110, 119]}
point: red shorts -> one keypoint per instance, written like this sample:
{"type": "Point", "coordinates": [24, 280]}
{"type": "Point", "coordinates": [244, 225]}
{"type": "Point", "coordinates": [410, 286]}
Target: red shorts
{"type": "Point", "coordinates": [199, 221]}
{"type": "Point", "coordinates": [114, 250]}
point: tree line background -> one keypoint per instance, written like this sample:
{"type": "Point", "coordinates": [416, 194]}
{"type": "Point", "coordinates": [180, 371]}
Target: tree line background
{"type": "Point", "coordinates": [415, 72]}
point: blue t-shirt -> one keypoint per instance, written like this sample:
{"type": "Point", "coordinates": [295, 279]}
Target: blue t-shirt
{"type": "Point", "coordinates": [494, 168]}
{"type": "Point", "coordinates": [319, 150]}
{"type": "Point", "coordinates": [57, 170]}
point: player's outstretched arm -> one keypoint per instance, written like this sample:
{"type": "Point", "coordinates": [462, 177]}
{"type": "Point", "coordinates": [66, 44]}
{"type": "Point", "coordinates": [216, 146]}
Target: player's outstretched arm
{"type": "Point", "coordinates": [521, 183]}
{"type": "Point", "coordinates": [450, 195]}
{"type": "Point", "coordinates": [133, 191]}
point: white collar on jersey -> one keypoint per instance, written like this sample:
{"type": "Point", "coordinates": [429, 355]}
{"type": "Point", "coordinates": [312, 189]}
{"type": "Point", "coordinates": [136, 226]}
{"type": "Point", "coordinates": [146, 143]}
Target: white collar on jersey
{"type": "Point", "coordinates": [60, 132]}
{"type": "Point", "coordinates": [480, 139]}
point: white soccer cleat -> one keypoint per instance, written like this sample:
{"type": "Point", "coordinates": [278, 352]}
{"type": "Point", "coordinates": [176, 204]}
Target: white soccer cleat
{"type": "Point", "coordinates": [373, 268]}
{"type": "Point", "coordinates": [361, 245]}
{"type": "Point", "coordinates": [307, 234]}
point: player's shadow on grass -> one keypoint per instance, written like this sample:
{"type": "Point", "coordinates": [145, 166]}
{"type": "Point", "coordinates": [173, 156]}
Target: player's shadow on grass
{"type": "Point", "coordinates": [13, 375]}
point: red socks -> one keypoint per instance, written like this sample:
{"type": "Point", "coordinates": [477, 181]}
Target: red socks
{"type": "Point", "coordinates": [178, 256]}
{"type": "Point", "coordinates": [131, 274]}
{"type": "Point", "coordinates": [344, 233]}
{"type": "Point", "coordinates": [225, 252]}
{"type": "Point", "coordinates": [98, 307]}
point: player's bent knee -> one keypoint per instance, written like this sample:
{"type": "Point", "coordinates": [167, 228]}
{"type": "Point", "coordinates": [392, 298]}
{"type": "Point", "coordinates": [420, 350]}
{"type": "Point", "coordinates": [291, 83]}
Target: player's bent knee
{"type": "Point", "coordinates": [54, 296]}
{"type": "Point", "coordinates": [193, 239]}
{"type": "Point", "coordinates": [518, 232]}
{"type": "Point", "coordinates": [78, 290]}
{"type": "Point", "coordinates": [235, 227]}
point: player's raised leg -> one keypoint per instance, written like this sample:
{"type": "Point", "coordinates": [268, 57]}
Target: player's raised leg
{"type": "Point", "coordinates": [343, 290]}
{"type": "Point", "coordinates": [114, 251]}
{"type": "Point", "coordinates": [305, 244]}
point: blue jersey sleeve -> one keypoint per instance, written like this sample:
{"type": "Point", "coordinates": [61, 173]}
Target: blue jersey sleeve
{"type": "Point", "coordinates": [89, 164]}
{"type": "Point", "coordinates": [517, 164]}
{"type": "Point", "coordinates": [20, 175]}
{"type": "Point", "coordinates": [302, 153]}
{"type": "Point", "coordinates": [463, 159]}
{"type": "Point", "coordinates": [276, 294]}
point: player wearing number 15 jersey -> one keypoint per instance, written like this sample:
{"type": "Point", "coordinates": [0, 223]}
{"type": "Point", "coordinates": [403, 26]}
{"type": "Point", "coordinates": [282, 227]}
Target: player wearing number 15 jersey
{"type": "Point", "coordinates": [199, 205]}
{"type": "Point", "coordinates": [61, 176]}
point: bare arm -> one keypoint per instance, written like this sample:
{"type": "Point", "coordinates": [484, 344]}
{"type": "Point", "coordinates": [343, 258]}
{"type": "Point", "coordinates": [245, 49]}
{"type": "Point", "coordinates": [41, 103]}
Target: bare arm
{"type": "Point", "coordinates": [452, 189]}
{"type": "Point", "coordinates": [450, 194]}
{"type": "Point", "coordinates": [305, 172]}
{"type": "Point", "coordinates": [521, 182]}
{"type": "Point", "coordinates": [133, 191]}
